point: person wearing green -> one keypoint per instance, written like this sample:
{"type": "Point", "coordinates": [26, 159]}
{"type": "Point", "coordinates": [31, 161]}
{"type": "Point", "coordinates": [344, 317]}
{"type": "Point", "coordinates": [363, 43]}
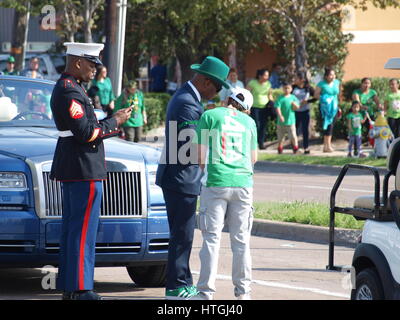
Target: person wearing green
{"type": "Point", "coordinates": [368, 98]}
{"type": "Point", "coordinates": [229, 136]}
{"type": "Point", "coordinates": [105, 92]}
{"type": "Point", "coordinates": [286, 118]}
{"type": "Point", "coordinates": [10, 68]}
{"type": "Point", "coordinates": [260, 88]}
{"type": "Point", "coordinates": [392, 107]}
{"type": "Point", "coordinates": [328, 94]}
{"type": "Point", "coordinates": [131, 96]}
{"type": "Point", "coordinates": [354, 123]}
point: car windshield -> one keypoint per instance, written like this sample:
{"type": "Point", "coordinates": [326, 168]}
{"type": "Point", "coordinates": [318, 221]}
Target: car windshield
{"type": "Point", "coordinates": [25, 102]}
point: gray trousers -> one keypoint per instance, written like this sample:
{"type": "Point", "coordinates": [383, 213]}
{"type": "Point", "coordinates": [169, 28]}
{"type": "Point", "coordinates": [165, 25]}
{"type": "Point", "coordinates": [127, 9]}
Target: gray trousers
{"type": "Point", "coordinates": [133, 134]}
{"type": "Point", "coordinates": [233, 206]}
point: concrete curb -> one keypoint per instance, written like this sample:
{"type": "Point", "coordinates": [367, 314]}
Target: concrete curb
{"type": "Point", "coordinates": [331, 169]}
{"type": "Point", "coordinates": [301, 232]}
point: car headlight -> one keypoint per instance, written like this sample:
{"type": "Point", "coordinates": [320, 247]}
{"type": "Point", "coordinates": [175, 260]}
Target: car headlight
{"type": "Point", "coordinates": [12, 180]}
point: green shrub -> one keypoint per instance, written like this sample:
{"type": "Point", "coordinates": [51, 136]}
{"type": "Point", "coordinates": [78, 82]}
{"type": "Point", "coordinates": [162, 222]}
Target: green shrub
{"type": "Point", "coordinates": [156, 107]}
{"type": "Point", "coordinates": [155, 113]}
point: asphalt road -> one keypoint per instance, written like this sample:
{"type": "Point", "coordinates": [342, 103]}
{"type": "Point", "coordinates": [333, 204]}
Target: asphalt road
{"type": "Point", "coordinates": [290, 182]}
{"type": "Point", "coordinates": [282, 269]}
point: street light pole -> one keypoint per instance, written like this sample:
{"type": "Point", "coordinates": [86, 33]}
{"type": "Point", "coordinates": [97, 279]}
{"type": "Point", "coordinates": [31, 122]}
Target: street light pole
{"type": "Point", "coordinates": [117, 73]}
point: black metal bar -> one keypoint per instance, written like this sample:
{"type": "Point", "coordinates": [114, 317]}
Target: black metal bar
{"type": "Point", "coordinates": [335, 188]}
{"type": "Point", "coordinates": [385, 187]}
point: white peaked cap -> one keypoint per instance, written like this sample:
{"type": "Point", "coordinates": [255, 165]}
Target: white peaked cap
{"type": "Point", "coordinates": [90, 51]}
{"type": "Point", "coordinates": [248, 97]}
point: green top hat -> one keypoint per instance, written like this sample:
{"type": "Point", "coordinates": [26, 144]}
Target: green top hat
{"type": "Point", "coordinates": [11, 59]}
{"type": "Point", "coordinates": [213, 68]}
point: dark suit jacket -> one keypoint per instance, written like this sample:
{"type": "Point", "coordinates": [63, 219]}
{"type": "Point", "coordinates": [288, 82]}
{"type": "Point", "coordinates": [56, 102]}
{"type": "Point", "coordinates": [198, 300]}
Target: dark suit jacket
{"type": "Point", "coordinates": [178, 169]}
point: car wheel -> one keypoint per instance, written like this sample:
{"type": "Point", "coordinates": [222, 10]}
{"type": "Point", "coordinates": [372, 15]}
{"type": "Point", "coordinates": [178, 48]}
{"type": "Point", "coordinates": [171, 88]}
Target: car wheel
{"type": "Point", "coordinates": [148, 276]}
{"type": "Point", "coordinates": [368, 286]}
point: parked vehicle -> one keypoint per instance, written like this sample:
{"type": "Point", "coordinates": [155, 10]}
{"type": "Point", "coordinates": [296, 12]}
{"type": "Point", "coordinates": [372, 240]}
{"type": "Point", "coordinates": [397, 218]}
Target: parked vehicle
{"type": "Point", "coordinates": [51, 66]}
{"type": "Point", "coordinates": [133, 229]}
{"type": "Point", "coordinates": [376, 259]}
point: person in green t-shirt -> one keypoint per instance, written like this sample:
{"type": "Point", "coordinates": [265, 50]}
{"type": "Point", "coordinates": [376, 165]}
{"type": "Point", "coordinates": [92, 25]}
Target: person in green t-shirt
{"type": "Point", "coordinates": [354, 123]}
{"type": "Point", "coordinates": [10, 68]}
{"type": "Point", "coordinates": [229, 136]}
{"type": "Point", "coordinates": [286, 118]}
{"type": "Point", "coordinates": [260, 88]}
{"type": "Point", "coordinates": [368, 98]}
{"type": "Point", "coordinates": [131, 96]}
{"type": "Point", "coordinates": [369, 101]}
{"type": "Point", "coordinates": [392, 107]}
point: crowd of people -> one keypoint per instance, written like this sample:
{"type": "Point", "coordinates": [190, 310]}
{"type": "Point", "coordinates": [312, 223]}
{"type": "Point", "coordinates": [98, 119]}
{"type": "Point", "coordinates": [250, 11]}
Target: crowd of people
{"type": "Point", "coordinates": [292, 108]}
{"type": "Point", "coordinates": [226, 138]}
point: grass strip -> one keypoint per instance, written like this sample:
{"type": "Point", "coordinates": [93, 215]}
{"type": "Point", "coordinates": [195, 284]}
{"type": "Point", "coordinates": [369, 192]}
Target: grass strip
{"type": "Point", "coordinates": [318, 160]}
{"type": "Point", "coordinates": [311, 213]}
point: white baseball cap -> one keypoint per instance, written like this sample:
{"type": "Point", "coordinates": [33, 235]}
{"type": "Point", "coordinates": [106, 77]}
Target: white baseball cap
{"type": "Point", "coordinates": [89, 51]}
{"type": "Point", "coordinates": [248, 97]}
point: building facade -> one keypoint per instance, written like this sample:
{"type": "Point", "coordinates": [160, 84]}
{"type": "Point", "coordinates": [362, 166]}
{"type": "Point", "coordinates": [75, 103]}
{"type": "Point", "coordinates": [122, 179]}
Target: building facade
{"type": "Point", "coordinates": [376, 39]}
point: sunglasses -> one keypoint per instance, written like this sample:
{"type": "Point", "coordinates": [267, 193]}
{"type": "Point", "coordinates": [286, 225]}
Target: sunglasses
{"type": "Point", "coordinates": [217, 86]}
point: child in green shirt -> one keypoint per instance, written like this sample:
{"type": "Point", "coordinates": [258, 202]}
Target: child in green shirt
{"type": "Point", "coordinates": [286, 120]}
{"type": "Point", "coordinates": [354, 123]}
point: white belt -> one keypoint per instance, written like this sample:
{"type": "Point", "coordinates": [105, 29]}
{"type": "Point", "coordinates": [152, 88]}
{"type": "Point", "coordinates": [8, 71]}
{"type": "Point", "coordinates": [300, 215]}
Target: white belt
{"type": "Point", "coordinates": [66, 133]}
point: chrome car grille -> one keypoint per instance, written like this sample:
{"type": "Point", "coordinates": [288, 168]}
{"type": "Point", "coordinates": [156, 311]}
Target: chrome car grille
{"type": "Point", "coordinates": [122, 196]}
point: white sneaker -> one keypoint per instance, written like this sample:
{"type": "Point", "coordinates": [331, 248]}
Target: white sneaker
{"type": "Point", "coordinates": [202, 296]}
{"type": "Point", "coordinates": [245, 296]}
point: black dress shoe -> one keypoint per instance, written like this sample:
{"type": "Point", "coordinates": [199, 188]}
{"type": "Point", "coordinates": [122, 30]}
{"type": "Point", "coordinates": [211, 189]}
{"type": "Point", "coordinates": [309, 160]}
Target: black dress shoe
{"type": "Point", "coordinates": [85, 295]}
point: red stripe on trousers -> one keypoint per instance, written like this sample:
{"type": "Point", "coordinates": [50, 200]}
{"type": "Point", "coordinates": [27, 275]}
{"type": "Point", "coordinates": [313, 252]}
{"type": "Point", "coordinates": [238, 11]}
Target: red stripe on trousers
{"type": "Point", "coordinates": [81, 278]}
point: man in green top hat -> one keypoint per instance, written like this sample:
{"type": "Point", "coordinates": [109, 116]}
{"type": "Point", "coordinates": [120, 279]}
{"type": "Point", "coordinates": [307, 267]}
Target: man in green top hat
{"type": "Point", "coordinates": [178, 173]}
{"type": "Point", "coordinates": [10, 69]}
{"type": "Point", "coordinates": [132, 97]}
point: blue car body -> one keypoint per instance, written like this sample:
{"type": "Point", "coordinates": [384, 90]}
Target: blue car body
{"type": "Point", "coordinates": [133, 229]}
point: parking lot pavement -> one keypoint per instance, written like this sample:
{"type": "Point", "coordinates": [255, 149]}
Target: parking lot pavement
{"type": "Point", "coordinates": [282, 270]}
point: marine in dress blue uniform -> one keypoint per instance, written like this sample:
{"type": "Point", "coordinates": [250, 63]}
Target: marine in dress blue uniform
{"type": "Point", "coordinates": [79, 163]}
{"type": "Point", "coordinates": [179, 176]}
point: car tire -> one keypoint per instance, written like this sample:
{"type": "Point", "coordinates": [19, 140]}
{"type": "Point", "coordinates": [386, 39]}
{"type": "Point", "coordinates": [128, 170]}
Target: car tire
{"type": "Point", "coordinates": [368, 286]}
{"type": "Point", "coordinates": [148, 276]}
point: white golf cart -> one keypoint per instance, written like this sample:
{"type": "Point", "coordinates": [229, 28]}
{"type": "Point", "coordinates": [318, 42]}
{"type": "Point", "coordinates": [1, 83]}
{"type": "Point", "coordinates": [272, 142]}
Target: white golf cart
{"type": "Point", "coordinates": [376, 260]}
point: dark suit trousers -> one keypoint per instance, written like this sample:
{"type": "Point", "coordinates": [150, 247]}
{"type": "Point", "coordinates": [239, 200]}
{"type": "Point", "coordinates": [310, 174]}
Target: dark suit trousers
{"type": "Point", "coordinates": [181, 209]}
{"type": "Point", "coordinates": [259, 116]}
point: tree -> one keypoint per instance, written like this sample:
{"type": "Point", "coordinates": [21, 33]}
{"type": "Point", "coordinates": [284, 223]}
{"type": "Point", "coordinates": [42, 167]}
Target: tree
{"type": "Point", "coordinates": [193, 29]}
{"type": "Point", "coordinates": [305, 21]}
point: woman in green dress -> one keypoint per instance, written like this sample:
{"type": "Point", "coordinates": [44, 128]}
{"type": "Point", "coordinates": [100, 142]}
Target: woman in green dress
{"type": "Point", "coordinates": [328, 93]}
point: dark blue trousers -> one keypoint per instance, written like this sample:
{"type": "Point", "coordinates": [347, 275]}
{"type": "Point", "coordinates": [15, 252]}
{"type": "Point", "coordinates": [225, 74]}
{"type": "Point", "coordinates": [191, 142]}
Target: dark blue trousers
{"type": "Point", "coordinates": [181, 210]}
{"type": "Point", "coordinates": [259, 116]}
{"type": "Point", "coordinates": [303, 122]}
{"type": "Point", "coordinates": [81, 210]}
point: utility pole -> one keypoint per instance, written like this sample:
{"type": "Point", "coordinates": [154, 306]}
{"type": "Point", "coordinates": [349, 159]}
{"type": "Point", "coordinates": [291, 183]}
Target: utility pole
{"type": "Point", "coordinates": [110, 27]}
{"type": "Point", "coordinates": [115, 42]}
{"type": "Point", "coordinates": [20, 36]}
